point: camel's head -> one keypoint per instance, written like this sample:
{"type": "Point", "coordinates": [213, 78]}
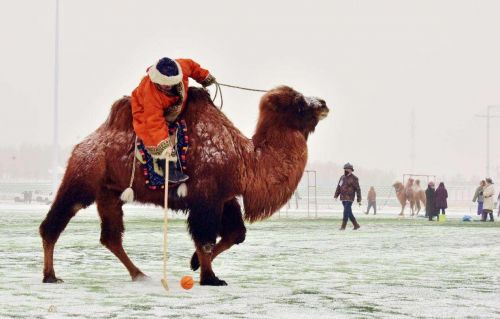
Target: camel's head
{"type": "Point", "coordinates": [397, 185]}
{"type": "Point", "coordinates": [286, 106]}
{"type": "Point", "coordinates": [409, 183]}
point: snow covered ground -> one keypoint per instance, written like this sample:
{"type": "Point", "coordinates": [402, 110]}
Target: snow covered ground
{"type": "Point", "coordinates": [287, 268]}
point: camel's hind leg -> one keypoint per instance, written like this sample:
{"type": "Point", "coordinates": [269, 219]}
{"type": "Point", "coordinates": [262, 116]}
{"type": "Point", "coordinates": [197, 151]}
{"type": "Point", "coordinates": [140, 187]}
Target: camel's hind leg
{"type": "Point", "coordinates": [110, 210]}
{"type": "Point", "coordinates": [232, 232]}
{"type": "Point", "coordinates": [70, 198]}
{"type": "Point", "coordinates": [417, 203]}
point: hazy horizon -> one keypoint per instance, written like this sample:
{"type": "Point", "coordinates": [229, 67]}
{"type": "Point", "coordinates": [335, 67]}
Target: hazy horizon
{"type": "Point", "coordinates": [373, 62]}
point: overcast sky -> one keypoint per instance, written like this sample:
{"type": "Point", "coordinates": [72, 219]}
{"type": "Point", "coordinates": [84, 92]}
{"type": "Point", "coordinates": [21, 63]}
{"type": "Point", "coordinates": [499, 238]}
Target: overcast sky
{"type": "Point", "coordinates": [372, 61]}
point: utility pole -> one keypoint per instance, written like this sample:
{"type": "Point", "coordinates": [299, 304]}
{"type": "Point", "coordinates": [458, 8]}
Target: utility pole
{"type": "Point", "coordinates": [55, 164]}
{"type": "Point", "coordinates": [488, 117]}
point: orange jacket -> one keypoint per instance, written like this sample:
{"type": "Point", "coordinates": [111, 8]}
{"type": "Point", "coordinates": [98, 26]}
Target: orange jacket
{"type": "Point", "coordinates": [149, 105]}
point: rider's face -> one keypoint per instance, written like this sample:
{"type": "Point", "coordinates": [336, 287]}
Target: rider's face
{"type": "Point", "coordinates": [169, 89]}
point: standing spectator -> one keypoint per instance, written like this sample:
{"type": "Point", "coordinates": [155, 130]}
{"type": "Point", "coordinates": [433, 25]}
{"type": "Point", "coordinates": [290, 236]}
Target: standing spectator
{"type": "Point", "coordinates": [372, 201]}
{"type": "Point", "coordinates": [25, 196]}
{"type": "Point", "coordinates": [478, 195]}
{"type": "Point", "coordinates": [488, 194]}
{"type": "Point", "coordinates": [430, 205]}
{"type": "Point", "coordinates": [441, 198]}
{"type": "Point", "coordinates": [498, 204]}
{"type": "Point", "coordinates": [348, 188]}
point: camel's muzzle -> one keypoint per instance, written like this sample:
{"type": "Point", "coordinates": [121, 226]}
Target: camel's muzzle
{"type": "Point", "coordinates": [319, 105]}
{"type": "Point", "coordinates": [323, 113]}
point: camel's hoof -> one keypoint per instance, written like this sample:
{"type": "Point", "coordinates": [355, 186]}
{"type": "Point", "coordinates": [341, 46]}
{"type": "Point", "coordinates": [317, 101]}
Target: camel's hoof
{"type": "Point", "coordinates": [52, 280]}
{"type": "Point", "coordinates": [140, 277]}
{"type": "Point", "coordinates": [213, 281]}
{"type": "Point", "coordinates": [195, 263]}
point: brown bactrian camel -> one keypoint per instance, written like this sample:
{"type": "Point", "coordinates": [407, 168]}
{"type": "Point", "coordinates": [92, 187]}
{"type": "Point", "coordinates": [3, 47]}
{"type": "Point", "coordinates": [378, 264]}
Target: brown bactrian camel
{"type": "Point", "coordinates": [222, 164]}
{"type": "Point", "coordinates": [419, 196]}
{"type": "Point", "coordinates": [405, 195]}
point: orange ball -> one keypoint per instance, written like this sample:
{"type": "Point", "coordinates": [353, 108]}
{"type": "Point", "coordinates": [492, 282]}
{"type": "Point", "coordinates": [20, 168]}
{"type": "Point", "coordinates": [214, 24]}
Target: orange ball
{"type": "Point", "coordinates": [187, 282]}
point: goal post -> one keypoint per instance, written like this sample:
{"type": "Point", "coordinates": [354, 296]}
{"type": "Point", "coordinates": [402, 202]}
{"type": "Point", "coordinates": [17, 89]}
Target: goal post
{"type": "Point", "coordinates": [428, 178]}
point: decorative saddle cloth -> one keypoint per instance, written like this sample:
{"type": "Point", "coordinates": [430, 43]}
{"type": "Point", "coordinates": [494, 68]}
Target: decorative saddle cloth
{"type": "Point", "coordinates": [152, 169]}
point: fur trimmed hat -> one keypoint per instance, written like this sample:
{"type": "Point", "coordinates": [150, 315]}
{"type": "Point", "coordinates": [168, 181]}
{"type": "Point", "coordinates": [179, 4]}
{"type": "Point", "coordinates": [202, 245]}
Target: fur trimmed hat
{"type": "Point", "coordinates": [165, 72]}
{"type": "Point", "coordinates": [348, 166]}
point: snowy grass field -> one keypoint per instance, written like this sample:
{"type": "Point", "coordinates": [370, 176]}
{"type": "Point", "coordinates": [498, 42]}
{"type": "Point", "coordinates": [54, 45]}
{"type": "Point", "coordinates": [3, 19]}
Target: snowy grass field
{"type": "Point", "coordinates": [287, 268]}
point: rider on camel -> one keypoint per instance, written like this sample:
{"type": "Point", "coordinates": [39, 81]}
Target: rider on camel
{"type": "Point", "coordinates": [160, 97]}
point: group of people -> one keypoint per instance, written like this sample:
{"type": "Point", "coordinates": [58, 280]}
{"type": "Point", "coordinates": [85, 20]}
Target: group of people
{"type": "Point", "coordinates": [484, 196]}
{"type": "Point", "coordinates": [348, 190]}
{"type": "Point", "coordinates": [436, 200]}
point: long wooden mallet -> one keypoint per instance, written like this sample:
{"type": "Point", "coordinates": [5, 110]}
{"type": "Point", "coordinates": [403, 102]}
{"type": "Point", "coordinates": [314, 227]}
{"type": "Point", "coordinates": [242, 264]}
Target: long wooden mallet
{"type": "Point", "coordinates": [165, 226]}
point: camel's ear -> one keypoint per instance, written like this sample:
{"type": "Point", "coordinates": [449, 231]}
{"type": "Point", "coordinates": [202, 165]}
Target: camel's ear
{"type": "Point", "coordinates": [272, 101]}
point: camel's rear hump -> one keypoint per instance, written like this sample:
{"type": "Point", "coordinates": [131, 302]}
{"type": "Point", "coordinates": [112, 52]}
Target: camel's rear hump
{"type": "Point", "coordinates": [120, 117]}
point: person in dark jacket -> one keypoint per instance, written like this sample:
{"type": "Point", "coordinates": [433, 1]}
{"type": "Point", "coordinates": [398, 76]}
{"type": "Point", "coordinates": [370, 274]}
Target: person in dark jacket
{"type": "Point", "coordinates": [347, 189]}
{"type": "Point", "coordinates": [441, 198]}
{"type": "Point", "coordinates": [430, 206]}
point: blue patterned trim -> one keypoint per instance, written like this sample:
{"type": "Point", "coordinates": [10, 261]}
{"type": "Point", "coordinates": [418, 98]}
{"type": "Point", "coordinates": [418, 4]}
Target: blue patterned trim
{"type": "Point", "coordinates": [153, 179]}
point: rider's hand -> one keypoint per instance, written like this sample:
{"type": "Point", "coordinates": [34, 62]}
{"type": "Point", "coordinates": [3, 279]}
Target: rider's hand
{"type": "Point", "coordinates": [167, 150]}
{"type": "Point", "coordinates": [208, 81]}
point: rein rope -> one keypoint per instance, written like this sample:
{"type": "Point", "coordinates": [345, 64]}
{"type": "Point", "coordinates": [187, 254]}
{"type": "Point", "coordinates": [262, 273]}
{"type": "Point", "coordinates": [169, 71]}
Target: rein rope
{"type": "Point", "coordinates": [218, 91]}
{"type": "Point", "coordinates": [241, 87]}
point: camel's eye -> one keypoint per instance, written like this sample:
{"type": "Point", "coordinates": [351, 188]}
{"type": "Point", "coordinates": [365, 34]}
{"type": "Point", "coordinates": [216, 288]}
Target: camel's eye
{"type": "Point", "coordinates": [299, 103]}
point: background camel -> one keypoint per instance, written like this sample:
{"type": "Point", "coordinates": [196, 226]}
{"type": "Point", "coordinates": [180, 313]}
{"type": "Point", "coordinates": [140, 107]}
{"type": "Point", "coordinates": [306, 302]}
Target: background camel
{"type": "Point", "coordinates": [405, 195]}
{"type": "Point", "coordinates": [222, 164]}
{"type": "Point", "coordinates": [419, 196]}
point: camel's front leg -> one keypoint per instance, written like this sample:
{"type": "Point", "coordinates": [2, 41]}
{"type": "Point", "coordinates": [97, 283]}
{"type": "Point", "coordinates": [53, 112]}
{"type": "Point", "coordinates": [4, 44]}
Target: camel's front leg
{"type": "Point", "coordinates": [402, 210]}
{"type": "Point", "coordinates": [203, 225]}
{"type": "Point", "coordinates": [232, 232]}
{"type": "Point", "coordinates": [207, 275]}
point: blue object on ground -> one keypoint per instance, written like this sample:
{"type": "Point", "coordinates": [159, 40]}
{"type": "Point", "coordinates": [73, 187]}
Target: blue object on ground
{"type": "Point", "coordinates": [467, 218]}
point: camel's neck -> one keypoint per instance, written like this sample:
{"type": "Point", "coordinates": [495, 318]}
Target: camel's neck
{"type": "Point", "coordinates": [274, 170]}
